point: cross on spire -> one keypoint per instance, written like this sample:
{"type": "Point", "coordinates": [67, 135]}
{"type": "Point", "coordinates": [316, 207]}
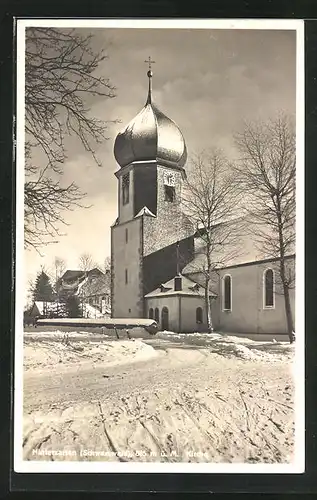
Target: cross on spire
{"type": "Point", "coordinates": [149, 74]}
{"type": "Point", "coordinates": [150, 62]}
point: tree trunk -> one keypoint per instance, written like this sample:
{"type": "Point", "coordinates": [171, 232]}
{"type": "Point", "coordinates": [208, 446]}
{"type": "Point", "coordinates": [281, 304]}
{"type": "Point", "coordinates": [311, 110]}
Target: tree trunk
{"type": "Point", "coordinates": [289, 318]}
{"type": "Point", "coordinates": [208, 306]}
{"type": "Point", "coordinates": [287, 304]}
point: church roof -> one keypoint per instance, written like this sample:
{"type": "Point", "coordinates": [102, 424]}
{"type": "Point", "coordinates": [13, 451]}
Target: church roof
{"type": "Point", "coordinates": [189, 288]}
{"type": "Point", "coordinates": [151, 135]}
{"type": "Point", "coordinates": [243, 248]}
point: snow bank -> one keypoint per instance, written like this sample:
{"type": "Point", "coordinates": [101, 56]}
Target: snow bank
{"type": "Point", "coordinates": [65, 351]}
{"type": "Point", "coordinates": [235, 347]}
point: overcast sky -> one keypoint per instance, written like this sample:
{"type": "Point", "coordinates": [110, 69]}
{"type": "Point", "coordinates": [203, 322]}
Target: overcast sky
{"type": "Point", "coordinates": [207, 81]}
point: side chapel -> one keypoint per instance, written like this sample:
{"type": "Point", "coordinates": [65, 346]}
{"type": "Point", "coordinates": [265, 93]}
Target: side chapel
{"type": "Point", "coordinates": [155, 254]}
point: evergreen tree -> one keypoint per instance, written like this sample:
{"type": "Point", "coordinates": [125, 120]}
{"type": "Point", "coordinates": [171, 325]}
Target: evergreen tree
{"type": "Point", "coordinates": [73, 307]}
{"type": "Point", "coordinates": [43, 290]}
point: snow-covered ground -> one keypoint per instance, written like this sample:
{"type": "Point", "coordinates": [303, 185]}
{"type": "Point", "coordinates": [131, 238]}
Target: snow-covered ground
{"type": "Point", "coordinates": [67, 351]}
{"type": "Point", "coordinates": [235, 347]}
{"type": "Point", "coordinates": [174, 397]}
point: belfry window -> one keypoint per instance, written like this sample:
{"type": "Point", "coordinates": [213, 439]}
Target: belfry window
{"type": "Point", "coordinates": [170, 194]}
{"type": "Point", "coordinates": [125, 188]}
{"type": "Point", "coordinates": [227, 293]}
{"type": "Point", "coordinates": [268, 288]}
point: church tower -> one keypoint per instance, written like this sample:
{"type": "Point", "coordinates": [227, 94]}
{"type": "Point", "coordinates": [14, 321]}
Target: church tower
{"type": "Point", "coordinates": [151, 153]}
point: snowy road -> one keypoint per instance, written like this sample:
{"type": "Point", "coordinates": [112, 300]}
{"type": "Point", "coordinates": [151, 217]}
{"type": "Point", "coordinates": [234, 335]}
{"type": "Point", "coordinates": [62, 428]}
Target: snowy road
{"type": "Point", "coordinates": [184, 404]}
{"type": "Point", "coordinates": [82, 384]}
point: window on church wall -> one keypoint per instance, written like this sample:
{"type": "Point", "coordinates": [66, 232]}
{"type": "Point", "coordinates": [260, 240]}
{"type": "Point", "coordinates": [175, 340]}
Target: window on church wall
{"type": "Point", "coordinates": [151, 313]}
{"type": "Point", "coordinates": [125, 188]}
{"type": "Point", "coordinates": [126, 276]}
{"type": "Point", "coordinates": [227, 293]}
{"type": "Point", "coordinates": [268, 288]}
{"type": "Point", "coordinates": [199, 315]}
{"type": "Point", "coordinates": [157, 315]}
{"type": "Point", "coordinates": [126, 235]}
{"type": "Point", "coordinates": [170, 194]}
{"type": "Point", "coordinates": [164, 318]}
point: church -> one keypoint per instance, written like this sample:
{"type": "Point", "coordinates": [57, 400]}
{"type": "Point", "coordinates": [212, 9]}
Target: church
{"type": "Point", "coordinates": [151, 232]}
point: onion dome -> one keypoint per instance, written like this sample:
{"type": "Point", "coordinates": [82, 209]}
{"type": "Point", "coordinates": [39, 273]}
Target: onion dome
{"type": "Point", "coordinates": [151, 135]}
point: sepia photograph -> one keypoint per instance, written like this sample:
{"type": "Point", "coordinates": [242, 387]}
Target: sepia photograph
{"type": "Point", "coordinates": [159, 319]}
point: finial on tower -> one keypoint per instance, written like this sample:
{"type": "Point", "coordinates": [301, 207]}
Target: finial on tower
{"type": "Point", "coordinates": [149, 74]}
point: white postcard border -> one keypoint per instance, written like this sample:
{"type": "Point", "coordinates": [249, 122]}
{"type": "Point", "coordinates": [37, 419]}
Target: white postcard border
{"type": "Point", "coordinates": [298, 464]}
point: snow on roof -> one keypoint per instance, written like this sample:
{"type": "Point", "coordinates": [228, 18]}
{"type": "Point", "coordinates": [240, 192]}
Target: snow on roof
{"type": "Point", "coordinates": [81, 284]}
{"type": "Point", "coordinates": [45, 307]}
{"type": "Point", "coordinates": [92, 286]}
{"type": "Point", "coordinates": [189, 288]}
{"type": "Point", "coordinates": [118, 322]}
{"type": "Point", "coordinates": [144, 211]}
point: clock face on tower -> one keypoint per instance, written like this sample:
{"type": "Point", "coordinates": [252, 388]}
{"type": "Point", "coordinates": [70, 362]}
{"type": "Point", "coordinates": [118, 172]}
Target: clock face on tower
{"type": "Point", "coordinates": [169, 179]}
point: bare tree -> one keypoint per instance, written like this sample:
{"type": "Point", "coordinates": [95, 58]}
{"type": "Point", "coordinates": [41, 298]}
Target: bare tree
{"type": "Point", "coordinates": [86, 262]}
{"type": "Point", "coordinates": [211, 202]}
{"type": "Point", "coordinates": [45, 200]}
{"type": "Point", "coordinates": [59, 266]}
{"type": "Point", "coordinates": [107, 264]}
{"type": "Point", "coordinates": [267, 171]}
{"type": "Point", "coordinates": [60, 80]}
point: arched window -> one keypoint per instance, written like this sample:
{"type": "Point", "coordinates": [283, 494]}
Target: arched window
{"type": "Point", "coordinates": [227, 293]}
{"type": "Point", "coordinates": [151, 313]}
{"type": "Point", "coordinates": [165, 322]}
{"type": "Point", "coordinates": [125, 188]}
{"type": "Point", "coordinates": [268, 288]}
{"type": "Point", "coordinates": [199, 315]}
{"type": "Point", "coordinates": [157, 315]}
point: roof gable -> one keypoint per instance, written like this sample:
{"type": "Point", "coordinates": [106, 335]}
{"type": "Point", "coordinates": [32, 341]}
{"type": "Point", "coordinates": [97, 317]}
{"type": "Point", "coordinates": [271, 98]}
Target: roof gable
{"type": "Point", "coordinates": [189, 288]}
